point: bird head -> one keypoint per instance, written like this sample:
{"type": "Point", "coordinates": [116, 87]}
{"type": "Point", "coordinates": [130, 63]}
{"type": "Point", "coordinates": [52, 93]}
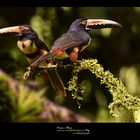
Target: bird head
{"type": "Point", "coordinates": [88, 24]}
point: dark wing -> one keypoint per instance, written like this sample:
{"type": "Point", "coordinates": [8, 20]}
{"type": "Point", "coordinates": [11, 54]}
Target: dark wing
{"type": "Point", "coordinates": [40, 44]}
{"type": "Point", "coordinates": [68, 40]}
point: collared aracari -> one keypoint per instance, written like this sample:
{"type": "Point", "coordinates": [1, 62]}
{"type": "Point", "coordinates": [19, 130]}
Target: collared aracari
{"type": "Point", "coordinates": [30, 44]}
{"type": "Point", "coordinates": [75, 39]}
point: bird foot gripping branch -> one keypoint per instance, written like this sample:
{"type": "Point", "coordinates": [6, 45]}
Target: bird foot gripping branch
{"type": "Point", "coordinates": [30, 74]}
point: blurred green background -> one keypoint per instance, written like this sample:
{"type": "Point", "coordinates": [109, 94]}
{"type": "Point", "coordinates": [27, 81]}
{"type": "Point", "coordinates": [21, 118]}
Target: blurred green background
{"type": "Point", "coordinates": [117, 50]}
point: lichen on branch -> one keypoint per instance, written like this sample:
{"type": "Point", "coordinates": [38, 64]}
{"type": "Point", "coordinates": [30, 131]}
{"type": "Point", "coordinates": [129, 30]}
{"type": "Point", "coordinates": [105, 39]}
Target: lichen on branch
{"type": "Point", "coordinates": [114, 85]}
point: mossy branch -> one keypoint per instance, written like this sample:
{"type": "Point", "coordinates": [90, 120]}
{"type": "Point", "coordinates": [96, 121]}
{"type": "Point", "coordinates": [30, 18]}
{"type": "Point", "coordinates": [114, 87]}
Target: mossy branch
{"type": "Point", "coordinates": [119, 93]}
{"type": "Point", "coordinates": [114, 85]}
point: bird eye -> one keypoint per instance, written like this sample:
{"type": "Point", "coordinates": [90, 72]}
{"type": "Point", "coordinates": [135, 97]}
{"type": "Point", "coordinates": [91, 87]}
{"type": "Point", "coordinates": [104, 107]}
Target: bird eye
{"type": "Point", "coordinates": [26, 28]}
{"type": "Point", "coordinates": [84, 22]}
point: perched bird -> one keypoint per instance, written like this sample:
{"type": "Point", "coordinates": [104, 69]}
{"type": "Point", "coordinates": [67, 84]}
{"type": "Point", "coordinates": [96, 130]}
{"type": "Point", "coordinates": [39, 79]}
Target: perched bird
{"type": "Point", "coordinates": [30, 44]}
{"type": "Point", "coordinates": [75, 39]}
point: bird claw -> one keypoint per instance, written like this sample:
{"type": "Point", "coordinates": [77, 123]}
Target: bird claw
{"type": "Point", "coordinates": [29, 74]}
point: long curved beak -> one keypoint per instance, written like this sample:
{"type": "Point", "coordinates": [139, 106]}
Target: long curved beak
{"type": "Point", "coordinates": [101, 23]}
{"type": "Point", "coordinates": [10, 30]}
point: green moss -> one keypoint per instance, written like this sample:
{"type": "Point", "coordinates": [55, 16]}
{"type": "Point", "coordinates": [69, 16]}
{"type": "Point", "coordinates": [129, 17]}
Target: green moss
{"type": "Point", "coordinates": [114, 85]}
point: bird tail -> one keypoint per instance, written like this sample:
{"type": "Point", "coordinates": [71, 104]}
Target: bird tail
{"type": "Point", "coordinates": [54, 78]}
{"type": "Point", "coordinates": [46, 57]}
{"type": "Point", "coordinates": [56, 82]}
{"type": "Point", "coordinates": [41, 59]}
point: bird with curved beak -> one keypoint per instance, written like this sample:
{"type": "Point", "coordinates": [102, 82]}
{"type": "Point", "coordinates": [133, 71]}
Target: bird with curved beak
{"type": "Point", "coordinates": [30, 44]}
{"type": "Point", "coordinates": [75, 39]}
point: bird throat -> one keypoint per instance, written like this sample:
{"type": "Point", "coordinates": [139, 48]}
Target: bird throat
{"type": "Point", "coordinates": [26, 46]}
{"type": "Point", "coordinates": [31, 51]}
{"type": "Point", "coordinates": [83, 47]}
